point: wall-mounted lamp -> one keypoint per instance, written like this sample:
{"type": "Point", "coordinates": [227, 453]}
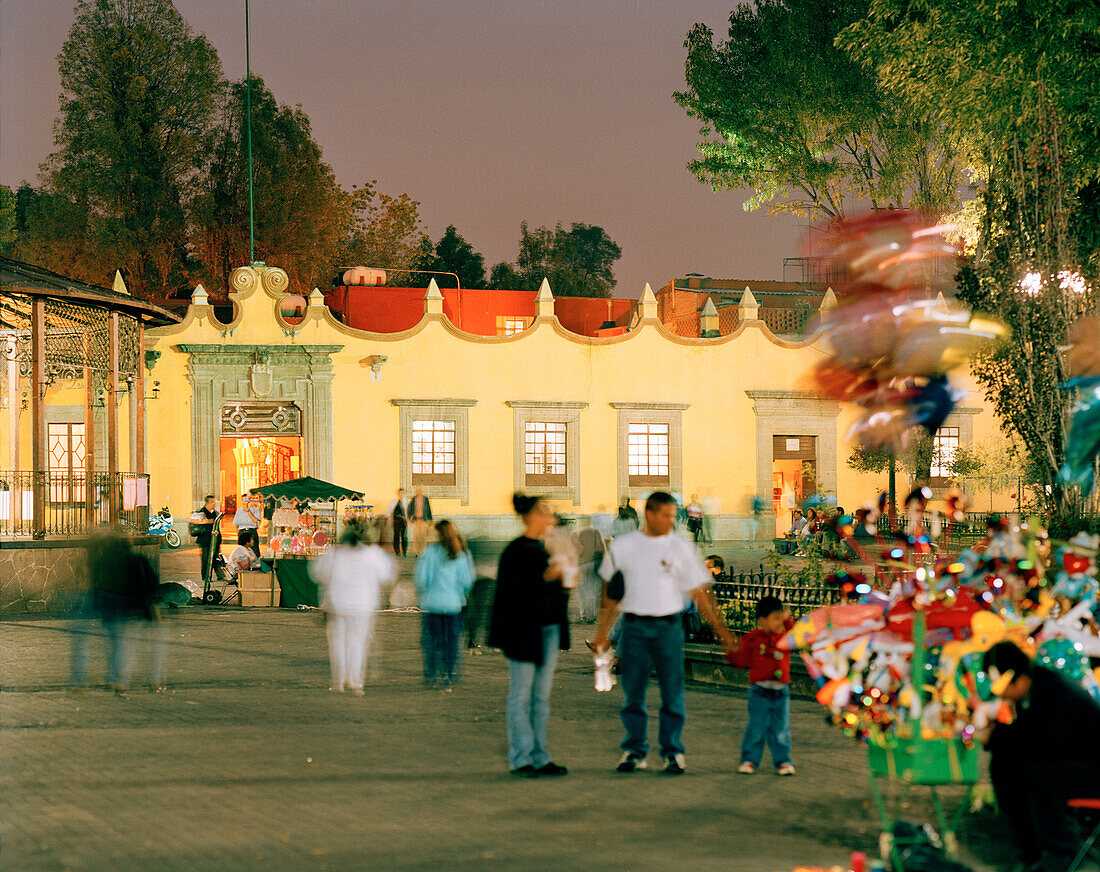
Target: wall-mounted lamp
{"type": "Point", "coordinates": [23, 401]}
{"type": "Point", "coordinates": [374, 361]}
{"type": "Point", "coordinates": [155, 392]}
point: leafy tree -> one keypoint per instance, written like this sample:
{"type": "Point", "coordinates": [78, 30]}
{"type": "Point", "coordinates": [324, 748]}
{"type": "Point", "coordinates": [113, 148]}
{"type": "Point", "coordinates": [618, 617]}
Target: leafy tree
{"type": "Point", "coordinates": [302, 216]}
{"type": "Point", "coordinates": [454, 254]}
{"type": "Point", "coordinates": [53, 229]}
{"type": "Point", "coordinates": [8, 221]}
{"type": "Point", "coordinates": [137, 105]}
{"type": "Point", "coordinates": [1018, 87]}
{"type": "Point", "coordinates": [578, 262]}
{"type": "Point", "coordinates": [789, 115]}
{"type": "Point", "coordinates": [504, 276]}
{"type": "Point", "coordinates": [385, 232]}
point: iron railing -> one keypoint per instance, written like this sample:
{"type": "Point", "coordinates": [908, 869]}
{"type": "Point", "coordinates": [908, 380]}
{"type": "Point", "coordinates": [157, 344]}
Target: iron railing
{"type": "Point", "coordinates": [71, 504]}
{"type": "Point", "coordinates": [739, 593]}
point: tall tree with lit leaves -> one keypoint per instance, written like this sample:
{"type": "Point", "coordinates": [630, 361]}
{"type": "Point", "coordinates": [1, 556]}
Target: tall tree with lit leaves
{"type": "Point", "coordinates": [1020, 91]}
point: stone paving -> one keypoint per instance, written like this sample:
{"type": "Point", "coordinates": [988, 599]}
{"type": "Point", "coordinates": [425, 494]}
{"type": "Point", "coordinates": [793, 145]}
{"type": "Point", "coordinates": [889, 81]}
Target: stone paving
{"type": "Point", "coordinates": [249, 763]}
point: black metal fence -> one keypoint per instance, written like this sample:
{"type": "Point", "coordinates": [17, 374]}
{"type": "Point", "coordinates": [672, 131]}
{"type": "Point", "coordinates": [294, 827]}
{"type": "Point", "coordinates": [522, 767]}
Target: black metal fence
{"type": "Point", "coordinates": [738, 595]}
{"type": "Point", "coordinates": [71, 503]}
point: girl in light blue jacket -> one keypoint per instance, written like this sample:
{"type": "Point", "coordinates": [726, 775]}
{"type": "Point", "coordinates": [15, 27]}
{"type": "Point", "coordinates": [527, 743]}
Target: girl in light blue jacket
{"type": "Point", "coordinates": [444, 575]}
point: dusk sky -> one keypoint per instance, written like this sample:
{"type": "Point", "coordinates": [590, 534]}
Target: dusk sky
{"type": "Point", "coordinates": [486, 111]}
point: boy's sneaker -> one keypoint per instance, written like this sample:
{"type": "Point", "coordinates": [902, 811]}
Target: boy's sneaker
{"type": "Point", "coordinates": [746, 768]}
{"type": "Point", "coordinates": [631, 763]}
{"type": "Point", "coordinates": [785, 769]}
{"type": "Point", "coordinates": [675, 764]}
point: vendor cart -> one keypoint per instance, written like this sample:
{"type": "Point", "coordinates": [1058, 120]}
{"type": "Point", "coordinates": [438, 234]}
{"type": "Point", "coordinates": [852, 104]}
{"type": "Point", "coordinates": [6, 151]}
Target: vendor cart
{"type": "Point", "coordinates": [914, 761]}
{"type": "Point", "coordinates": [298, 536]}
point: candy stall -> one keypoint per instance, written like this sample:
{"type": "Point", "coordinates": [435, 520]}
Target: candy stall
{"type": "Point", "coordinates": [303, 525]}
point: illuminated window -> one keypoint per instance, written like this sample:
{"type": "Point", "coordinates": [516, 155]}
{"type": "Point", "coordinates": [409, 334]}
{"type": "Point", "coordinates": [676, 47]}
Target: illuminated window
{"type": "Point", "coordinates": [647, 455]}
{"type": "Point", "coordinates": [944, 446]}
{"type": "Point", "coordinates": [510, 325]}
{"type": "Point", "coordinates": [544, 452]}
{"type": "Point", "coordinates": [66, 452]}
{"type": "Point", "coordinates": [433, 452]}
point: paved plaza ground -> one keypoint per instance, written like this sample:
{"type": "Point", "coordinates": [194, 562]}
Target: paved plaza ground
{"type": "Point", "coordinates": [249, 763]}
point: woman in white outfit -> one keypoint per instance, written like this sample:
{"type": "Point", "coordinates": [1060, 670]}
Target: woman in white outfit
{"type": "Point", "coordinates": [350, 577]}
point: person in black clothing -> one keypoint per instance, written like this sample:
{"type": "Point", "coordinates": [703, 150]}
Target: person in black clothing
{"type": "Point", "coordinates": [205, 537]}
{"type": "Point", "coordinates": [123, 584]}
{"type": "Point", "coordinates": [399, 518]}
{"type": "Point", "coordinates": [530, 626]}
{"type": "Point", "coordinates": [1049, 754]}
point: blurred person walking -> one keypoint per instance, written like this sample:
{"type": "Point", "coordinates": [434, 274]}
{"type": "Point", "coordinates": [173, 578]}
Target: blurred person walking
{"type": "Point", "coordinates": [626, 522]}
{"type": "Point", "coordinates": [530, 626]}
{"type": "Point", "coordinates": [590, 548]}
{"type": "Point", "coordinates": [351, 577]}
{"type": "Point", "coordinates": [444, 576]}
{"type": "Point", "coordinates": [123, 585]}
{"type": "Point", "coordinates": [420, 514]}
{"type": "Point", "coordinates": [695, 518]}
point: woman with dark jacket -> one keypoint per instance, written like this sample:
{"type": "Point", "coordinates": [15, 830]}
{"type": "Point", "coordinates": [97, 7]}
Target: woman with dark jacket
{"type": "Point", "coordinates": [530, 627]}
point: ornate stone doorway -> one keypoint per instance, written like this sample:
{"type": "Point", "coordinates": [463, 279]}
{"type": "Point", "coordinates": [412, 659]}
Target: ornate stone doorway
{"type": "Point", "coordinates": [276, 394]}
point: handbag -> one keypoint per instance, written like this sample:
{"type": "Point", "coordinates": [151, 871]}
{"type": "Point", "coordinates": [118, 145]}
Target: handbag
{"type": "Point", "coordinates": [616, 585]}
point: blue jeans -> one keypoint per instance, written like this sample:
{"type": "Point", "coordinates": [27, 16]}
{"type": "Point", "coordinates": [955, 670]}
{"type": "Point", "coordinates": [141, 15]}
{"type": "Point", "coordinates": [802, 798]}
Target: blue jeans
{"type": "Point", "coordinates": [119, 660]}
{"type": "Point", "coordinates": [769, 718]}
{"type": "Point", "coordinates": [529, 704]}
{"type": "Point", "coordinates": [656, 644]}
{"type": "Point", "coordinates": [439, 639]}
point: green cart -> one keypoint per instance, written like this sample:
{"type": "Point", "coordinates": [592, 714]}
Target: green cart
{"type": "Point", "coordinates": [915, 761]}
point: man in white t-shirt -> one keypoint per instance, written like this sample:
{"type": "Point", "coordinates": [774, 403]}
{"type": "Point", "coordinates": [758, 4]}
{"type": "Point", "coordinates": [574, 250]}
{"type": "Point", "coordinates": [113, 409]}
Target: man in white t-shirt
{"type": "Point", "coordinates": [659, 571]}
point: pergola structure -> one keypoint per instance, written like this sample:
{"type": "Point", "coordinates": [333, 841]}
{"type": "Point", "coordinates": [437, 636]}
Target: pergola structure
{"type": "Point", "coordinates": [61, 334]}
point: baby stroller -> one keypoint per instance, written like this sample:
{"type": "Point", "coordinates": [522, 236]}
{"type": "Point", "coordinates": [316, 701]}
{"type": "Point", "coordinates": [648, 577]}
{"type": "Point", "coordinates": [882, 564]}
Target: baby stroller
{"type": "Point", "coordinates": [219, 586]}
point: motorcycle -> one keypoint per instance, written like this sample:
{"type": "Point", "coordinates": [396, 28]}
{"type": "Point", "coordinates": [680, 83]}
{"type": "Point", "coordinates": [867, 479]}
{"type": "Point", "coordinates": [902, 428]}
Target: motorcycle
{"type": "Point", "coordinates": [160, 524]}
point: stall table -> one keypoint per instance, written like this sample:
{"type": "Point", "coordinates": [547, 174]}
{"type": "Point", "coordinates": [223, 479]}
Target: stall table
{"type": "Point", "coordinates": [298, 588]}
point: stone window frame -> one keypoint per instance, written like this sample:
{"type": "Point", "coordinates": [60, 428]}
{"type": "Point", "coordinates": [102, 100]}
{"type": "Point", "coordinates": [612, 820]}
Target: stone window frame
{"type": "Point", "coordinates": [448, 409]}
{"type": "Point", "coordinates": [793, 413]}
{"type": "Point", "coordinates": [961, 417]}
{"type": "Point", "coordinates": [649, 413]}
{"type": "Point", "coordinates": [550, 412]}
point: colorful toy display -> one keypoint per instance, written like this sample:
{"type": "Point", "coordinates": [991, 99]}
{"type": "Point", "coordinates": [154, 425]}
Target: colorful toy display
{"type": "Point", "coordinates": [893, 337]}
{"type": "Point", "coordinates": [907, 662]}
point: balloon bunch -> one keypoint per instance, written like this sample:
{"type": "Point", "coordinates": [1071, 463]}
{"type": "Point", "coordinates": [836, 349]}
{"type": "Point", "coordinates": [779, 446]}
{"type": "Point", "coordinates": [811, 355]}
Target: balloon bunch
{"type": "Point", "coordinates": [910, 659]}
{"type": "Point", "coordinates": [1083, 439]}
{"type": "Point", "coordinates": [893, 338]}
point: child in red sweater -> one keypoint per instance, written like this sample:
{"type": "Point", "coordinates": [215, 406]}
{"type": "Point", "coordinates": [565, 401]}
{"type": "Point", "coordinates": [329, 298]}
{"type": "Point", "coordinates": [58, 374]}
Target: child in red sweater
{"type": "Point", "coordinates": [769, 690]}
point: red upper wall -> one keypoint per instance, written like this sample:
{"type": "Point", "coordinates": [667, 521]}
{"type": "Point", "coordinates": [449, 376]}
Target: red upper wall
{"type": "Point", "coordinates": [474, 310]}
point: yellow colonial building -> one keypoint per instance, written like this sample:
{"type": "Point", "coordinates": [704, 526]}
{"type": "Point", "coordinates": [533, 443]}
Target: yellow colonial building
{"type": "Point", "coordinates": [277, 393]}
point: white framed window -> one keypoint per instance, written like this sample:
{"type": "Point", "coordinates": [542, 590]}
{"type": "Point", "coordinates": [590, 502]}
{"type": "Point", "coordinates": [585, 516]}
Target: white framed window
{"type": "Point", "coordinates": [510, 325]}
{"type": "Point", "coordinates": [544, 452]}
{"type": "Point", "coordinates": [435, 446]}
{"type": "Point", "coordinates": [546, 448]}
{"type": "Point", "coordinates": [945, 444]}
{"type": "Point", "coordinates": [650, 448]}
{"type": "Point", "coordinates": [433, 452]}
{"type": "Point", "coordinates": [647, 448]}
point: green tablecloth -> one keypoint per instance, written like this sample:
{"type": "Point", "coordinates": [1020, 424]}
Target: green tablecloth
{"type": "Point", "coordinates": [297, 587]}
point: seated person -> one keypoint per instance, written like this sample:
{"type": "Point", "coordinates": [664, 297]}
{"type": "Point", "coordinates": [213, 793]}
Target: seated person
{"type": "Point", "coordinates": [790, 536]}
{"type": "Point", "coordinates": [243, 557]}
{"type": "Point", "coordinates": [1047, 755]}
